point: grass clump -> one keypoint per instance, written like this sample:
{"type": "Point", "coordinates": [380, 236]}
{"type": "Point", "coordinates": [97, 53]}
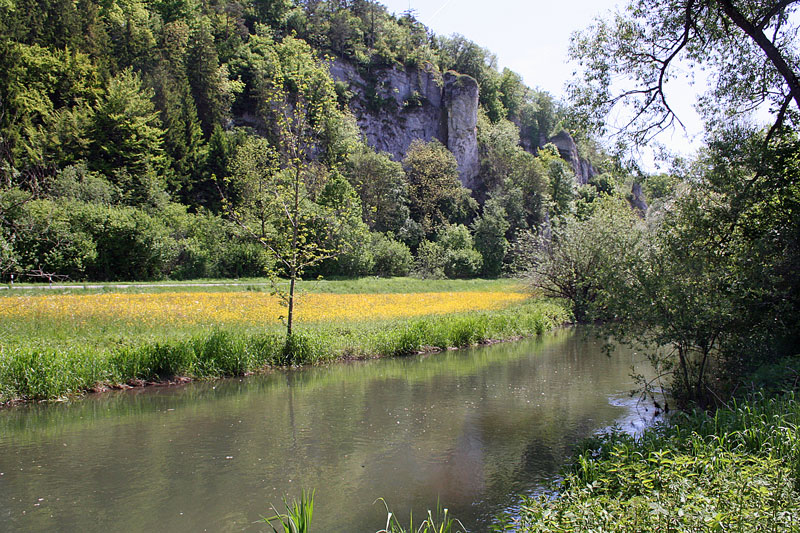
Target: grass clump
{"type": "Point", "coordinates": [438, 521]}
{"type": "Point", "coordinates": [297, 518]}
{"type": "Point", "coordinates": [735, 470]}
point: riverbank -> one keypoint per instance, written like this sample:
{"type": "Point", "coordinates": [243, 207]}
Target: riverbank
{"type": "Point", "coordinates": [737, 469]}
{"type": "Point", "coordinates": [69, 348]}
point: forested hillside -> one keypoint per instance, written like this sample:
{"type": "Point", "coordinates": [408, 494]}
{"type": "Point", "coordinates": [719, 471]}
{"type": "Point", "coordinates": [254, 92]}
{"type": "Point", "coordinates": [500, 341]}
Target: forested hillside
{"type": "Point", "coordinates": [159, 139]}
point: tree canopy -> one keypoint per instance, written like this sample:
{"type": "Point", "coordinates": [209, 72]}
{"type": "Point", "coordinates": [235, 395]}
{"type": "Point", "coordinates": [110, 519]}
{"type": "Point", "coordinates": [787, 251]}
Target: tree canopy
{"type": "Point", "coordinates": [749, 50]}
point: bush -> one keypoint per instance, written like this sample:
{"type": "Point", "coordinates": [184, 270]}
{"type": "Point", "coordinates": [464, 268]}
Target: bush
{"type": "Point", "coordinates": [464, 263]}
{"type": "Point", "coordinates": [392, 258]}
{"type": "Point", "coordinates": [430, 260]}
{"type": "Point", "coordinates": [241, 260]}
{"type": "Point", "coordinates": [47, 241]}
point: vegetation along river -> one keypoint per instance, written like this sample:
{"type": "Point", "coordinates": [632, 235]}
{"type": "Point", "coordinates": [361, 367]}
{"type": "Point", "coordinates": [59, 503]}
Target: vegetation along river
{"type": "Point", "coordinates": [474, 428]}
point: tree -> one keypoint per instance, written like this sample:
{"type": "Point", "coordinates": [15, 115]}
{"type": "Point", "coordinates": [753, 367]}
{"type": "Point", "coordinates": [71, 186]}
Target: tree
{"type": "Point", "coordinates": [585, 258]}
{"type": "Point", "coordinates": [127, 139]}
{"type": "Point", "coordinates": [437, 196]}
{"type": "Point", "coordinates": [561, 179]}
{"type": "Point", "coordinates": [381, 185]}
{"type": "Point", "coordinates": [213, 91]}
{"type": "Point", "coordinates": [490, 237]}
{"type": "Point", "coordinates": [748, 48]}
{"type": "Point", "coordinates": [281, 202]}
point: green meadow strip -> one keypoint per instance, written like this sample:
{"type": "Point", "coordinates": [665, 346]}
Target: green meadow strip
{"type": "Point", "coordinates": [39, 370]}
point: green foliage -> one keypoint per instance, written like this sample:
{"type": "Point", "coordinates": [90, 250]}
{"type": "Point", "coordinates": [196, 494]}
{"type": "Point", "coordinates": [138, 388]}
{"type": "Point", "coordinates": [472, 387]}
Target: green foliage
{"type": "Point", "coordinates": [735, 469]}
{"type": "Point", "coordinates": [745, 49]}
{"type": "Point", "coordinates": [382, 188]}
{"type": "Point", "coordinates": [391, 257]}
{"type": "Point", "coordinates": [561, 180]}
{"type": "Point", "coordinates": [127, 140]}
{"type": "Point", "coordinates": [47, 242]}
{"type": "Point", "coordinates": [135, 104]}
{"type": "Point", "coordinates": [436, 194]}
{"type": "Point", "coordinates": [714, 292]}
{"type": "Point", "coordinates": [211, 87]}
{"type": "Point", "coordinates": [582, 259]}
{"type": "Point", "coordinates": [452, 255]}
{"type": "Point", "coordinates": [490, 237]}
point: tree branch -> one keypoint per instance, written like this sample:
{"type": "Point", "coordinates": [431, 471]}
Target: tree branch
{"type": "Point", "coordinates": [777, 8]}
{"type": "Point", "coordinates": [769, 48]}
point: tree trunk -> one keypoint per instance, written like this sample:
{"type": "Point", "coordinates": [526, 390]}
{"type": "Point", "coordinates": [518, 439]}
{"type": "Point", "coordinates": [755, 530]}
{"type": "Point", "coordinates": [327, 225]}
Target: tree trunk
{"type": "Point", "coordinates": [290, 318]}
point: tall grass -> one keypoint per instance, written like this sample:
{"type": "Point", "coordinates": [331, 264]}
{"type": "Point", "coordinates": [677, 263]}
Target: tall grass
{"type": "Point", "coordinates": [31, 369]}
{"type": "Point", "coordinates": [437, 521]}
{"type": "Point", "coordinates": [297, 518]}
{"type": "Point", "coordinates": [735, 470]}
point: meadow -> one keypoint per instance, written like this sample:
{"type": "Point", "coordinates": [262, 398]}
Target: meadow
{"type": "Point", "coordinates": [61, 342]}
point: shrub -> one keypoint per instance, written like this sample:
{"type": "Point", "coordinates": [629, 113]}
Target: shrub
{"type": "Point", "coordinates": [392, 258]}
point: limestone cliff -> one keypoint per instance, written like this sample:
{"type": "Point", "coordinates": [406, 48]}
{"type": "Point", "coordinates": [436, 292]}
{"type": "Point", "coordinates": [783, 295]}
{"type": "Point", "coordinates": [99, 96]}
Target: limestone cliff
{"type": "Point", "coordinates": [584, 171]}
{"type": "Point", "coordinates": [395, 106]}
{"type": "Point", "coordinates": [461, 106]}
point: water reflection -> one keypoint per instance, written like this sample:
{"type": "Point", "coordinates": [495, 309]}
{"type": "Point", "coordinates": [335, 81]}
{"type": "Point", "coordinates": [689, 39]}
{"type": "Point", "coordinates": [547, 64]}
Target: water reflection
{"type": "Point", "coordinates": [472, 428]}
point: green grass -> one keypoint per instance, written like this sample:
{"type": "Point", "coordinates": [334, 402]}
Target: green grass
{"type": "Point", "coordinates": [297, 518]}
{"type": "Point", "coordinates": [438, 521]}
{"type": "Point", "coordinates": [369, 284]}
{"type": "Point", "coordinates": [43, 361]}
{"type": "Point", "coordinates": [735, 470]}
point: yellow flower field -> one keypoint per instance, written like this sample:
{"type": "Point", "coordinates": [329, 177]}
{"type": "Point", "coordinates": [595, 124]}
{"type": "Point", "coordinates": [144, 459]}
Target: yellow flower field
{"type": "Point", "coordinates": [244, 307]}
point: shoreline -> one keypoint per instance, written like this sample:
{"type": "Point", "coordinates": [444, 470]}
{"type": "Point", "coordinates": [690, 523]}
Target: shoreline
{"type": "Point", "coordinates": [42, 376]}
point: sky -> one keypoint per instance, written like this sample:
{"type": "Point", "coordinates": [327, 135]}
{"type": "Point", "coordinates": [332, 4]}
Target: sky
{"type": "Point", "coordinates": [532, 38]}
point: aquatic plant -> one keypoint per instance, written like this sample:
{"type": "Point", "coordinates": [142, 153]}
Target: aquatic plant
{"type": "Point", "coordinates": [297, 518]}
{"type": "Point", "coordinates": [437, 521]}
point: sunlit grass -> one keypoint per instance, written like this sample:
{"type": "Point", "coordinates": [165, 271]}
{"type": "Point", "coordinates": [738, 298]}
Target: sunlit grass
{"type": "Point", "coordinates": [255, 308]}
{"type": "Point", "coordinates": [57, 344]}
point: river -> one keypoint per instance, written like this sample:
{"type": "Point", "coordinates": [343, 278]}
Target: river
{"type": "Point", "coordinates": [472, 428]}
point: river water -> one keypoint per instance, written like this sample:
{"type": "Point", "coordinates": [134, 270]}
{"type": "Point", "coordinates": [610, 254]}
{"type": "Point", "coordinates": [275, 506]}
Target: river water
{"type": "Point", "coordinates": [472, 428]}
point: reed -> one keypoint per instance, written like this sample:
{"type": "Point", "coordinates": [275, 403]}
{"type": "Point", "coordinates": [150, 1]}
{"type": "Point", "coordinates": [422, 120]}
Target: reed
{"type": "Point", "coordinates": [297, 518]}
{"type": "Point", "coordinates": [436, 521]}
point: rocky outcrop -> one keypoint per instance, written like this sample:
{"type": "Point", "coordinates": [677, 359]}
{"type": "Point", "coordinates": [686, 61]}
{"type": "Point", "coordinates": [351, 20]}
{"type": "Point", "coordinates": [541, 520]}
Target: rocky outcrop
{"type": "Point", "coordinates": [584, 171]}
{"type": "Point", "coordinates": [461, 103]}
{"type": "Point", "coordinates": [396, 106]}
{"type": "Point", "coordinates": [637, 199]}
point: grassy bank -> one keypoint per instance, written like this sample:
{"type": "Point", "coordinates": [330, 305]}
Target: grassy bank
{"type": "Point", "coordinates": [735, 470]}
{"type": "Point", "coordinates": [59, 348]}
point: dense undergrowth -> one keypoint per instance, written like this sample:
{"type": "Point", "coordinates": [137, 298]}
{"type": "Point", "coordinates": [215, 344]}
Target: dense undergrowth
{"type": "Point", "coordinates": [49, 371]}
{"type": "Point", "coordinates": [737, 469]}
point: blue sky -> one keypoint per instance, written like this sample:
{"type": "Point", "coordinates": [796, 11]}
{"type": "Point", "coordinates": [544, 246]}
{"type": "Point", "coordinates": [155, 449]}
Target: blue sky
{"type": "Point", "coordinates": [532, 39]}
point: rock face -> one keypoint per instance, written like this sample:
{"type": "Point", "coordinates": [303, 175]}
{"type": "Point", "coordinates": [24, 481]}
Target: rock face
{"type": "Point", "coordinates": [393, 107]}
{"type": "Point", "coordinates": [637, 199]}
{"type": "Point", "coordinates": [584, 171]}
{"type": "Point", "coordinates": [461, 101]}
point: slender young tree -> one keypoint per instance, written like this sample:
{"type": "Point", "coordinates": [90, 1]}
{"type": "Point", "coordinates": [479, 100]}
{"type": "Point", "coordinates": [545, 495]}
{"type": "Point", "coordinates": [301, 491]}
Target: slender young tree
{"type": "Point", "coordinates": [279, 188]}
